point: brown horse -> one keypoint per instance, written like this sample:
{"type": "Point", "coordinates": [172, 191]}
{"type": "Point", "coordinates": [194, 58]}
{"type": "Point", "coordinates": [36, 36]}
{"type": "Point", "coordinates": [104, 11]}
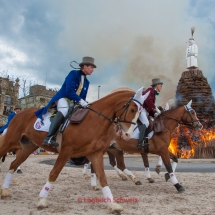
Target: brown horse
{"type": "Point", "coordinates": [159, 142]}
{"type": "Point", "coordinates": [91, 138]}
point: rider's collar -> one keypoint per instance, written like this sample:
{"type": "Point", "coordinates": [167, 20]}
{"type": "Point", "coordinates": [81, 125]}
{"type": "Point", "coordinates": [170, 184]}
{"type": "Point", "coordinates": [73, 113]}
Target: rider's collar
{"type": "Point", "coordinates": [156, 92]}
{"type": "Point", "coordinates": [82, 73]}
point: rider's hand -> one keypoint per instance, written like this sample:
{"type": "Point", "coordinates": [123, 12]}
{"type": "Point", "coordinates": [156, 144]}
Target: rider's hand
{"type": "Point", "coordinates": [83, 103]}
{"type": "Point", "coordinates": [157, 110]}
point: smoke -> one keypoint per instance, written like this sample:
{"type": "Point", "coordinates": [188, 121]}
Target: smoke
{"type": "Point", "coordinates": [141, 40]}
{"type": "Point", "coordinates": [131, 41]}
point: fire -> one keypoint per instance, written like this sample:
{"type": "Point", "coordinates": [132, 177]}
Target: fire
{"type": "Point", "coordinates": [186, 143]}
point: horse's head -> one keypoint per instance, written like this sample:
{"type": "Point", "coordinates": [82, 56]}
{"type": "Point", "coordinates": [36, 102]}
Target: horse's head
{"type": "Point", "coordinates": [129, 113]}
{"type": "Point", "coordinates": [190, 118]}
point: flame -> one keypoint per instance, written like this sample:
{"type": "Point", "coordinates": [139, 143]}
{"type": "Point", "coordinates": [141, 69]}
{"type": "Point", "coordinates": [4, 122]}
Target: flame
{"type": "Point", "coordinates": [197, 144]}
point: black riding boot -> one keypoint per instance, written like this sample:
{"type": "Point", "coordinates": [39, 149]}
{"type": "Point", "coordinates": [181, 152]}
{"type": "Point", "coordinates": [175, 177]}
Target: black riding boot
{"type": "Point", "coordinates": [142, 137]}
{"type": "Point", "coordinates": [55, 124]}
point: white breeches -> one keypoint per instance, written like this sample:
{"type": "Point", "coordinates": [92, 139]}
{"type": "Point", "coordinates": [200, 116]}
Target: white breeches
{"type": "Point", "coordinates": [144, 117]}
{"type": "Point", "coordinates": [63, 106]}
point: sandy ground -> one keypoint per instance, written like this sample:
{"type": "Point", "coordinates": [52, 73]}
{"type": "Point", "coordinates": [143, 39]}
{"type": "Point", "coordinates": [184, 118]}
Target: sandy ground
{"type": "Point", "coordinates": [152, 199]}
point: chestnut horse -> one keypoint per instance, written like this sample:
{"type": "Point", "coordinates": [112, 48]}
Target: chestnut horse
{"type": "Point", "coordinates": [159, 142]}
{"type": "Point", "coordinates": [90, 138]}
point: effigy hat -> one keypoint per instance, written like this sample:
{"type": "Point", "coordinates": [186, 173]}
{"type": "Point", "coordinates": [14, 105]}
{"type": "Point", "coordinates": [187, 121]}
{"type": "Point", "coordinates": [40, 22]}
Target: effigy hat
{"type": "Point", "coordinates": [156, 81]}
{"type": "Point", "coordinates": [87, 60]}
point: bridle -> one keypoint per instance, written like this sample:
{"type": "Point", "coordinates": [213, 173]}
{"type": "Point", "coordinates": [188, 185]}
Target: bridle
{"type": "Point", "coordinates": [124, 109]}
{"type": "Point", "coordinates": [192, 123]}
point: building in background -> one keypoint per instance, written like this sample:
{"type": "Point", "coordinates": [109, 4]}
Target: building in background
{"type": "Point", "coordinates": [9, 93]}
{"type": "Point", "coordinates": [38, 96]}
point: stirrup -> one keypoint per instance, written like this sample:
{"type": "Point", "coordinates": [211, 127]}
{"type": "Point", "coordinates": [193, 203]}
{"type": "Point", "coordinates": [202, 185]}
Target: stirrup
{"type": "Point", "coordinates": [50, 142]}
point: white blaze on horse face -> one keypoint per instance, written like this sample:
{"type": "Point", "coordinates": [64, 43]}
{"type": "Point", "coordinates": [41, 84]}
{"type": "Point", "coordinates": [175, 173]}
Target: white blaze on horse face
{"type": "Point", "coordinates": [127, 135]}
{"type": "Point", "coordinates": [189, 104]}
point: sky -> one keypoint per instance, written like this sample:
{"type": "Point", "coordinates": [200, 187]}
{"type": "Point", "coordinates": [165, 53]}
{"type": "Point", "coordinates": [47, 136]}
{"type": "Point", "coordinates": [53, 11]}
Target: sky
{"type": "Point", "coordinates": [131, 41]}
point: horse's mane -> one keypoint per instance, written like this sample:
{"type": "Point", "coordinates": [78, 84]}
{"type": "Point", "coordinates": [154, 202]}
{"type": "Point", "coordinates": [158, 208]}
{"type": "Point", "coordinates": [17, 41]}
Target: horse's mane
{"type": "Point", "coordinates": [121, 89]}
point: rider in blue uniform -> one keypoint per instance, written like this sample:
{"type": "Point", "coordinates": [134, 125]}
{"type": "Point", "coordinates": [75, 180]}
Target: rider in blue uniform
{"type": "Point", "coordinates": [17, 109]}
{"type": "Point", "coordinates": [75, 88]}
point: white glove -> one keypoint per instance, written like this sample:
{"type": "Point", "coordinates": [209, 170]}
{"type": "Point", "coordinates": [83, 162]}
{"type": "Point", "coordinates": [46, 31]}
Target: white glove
{"type": "Point", "coordinates": [83, 103]}
{"type": "Point", "coordinates": [157, 110]}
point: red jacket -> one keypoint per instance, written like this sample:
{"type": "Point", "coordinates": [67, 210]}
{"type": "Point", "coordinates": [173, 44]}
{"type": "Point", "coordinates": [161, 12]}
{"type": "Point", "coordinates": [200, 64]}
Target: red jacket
{"type": "Point", "coordinates": [149, 103]}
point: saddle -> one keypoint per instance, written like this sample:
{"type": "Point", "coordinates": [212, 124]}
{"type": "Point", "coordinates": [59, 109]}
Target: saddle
{"type": "Point", "coordinates": [155, 125]}
{"type": "Point", "coordinates": [75, 116]}
{"type": "Point", "coordinates": [78, 115]}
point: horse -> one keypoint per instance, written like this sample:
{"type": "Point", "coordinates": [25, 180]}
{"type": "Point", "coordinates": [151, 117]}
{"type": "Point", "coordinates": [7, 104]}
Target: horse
{"type": "Point", "coordinates": [159, 142]}
{"type": "Point", "coordinates": [114, 114]}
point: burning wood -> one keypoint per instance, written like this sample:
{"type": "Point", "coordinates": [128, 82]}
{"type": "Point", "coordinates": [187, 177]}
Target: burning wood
{"type": "Point", "coordinates": [186, 143]}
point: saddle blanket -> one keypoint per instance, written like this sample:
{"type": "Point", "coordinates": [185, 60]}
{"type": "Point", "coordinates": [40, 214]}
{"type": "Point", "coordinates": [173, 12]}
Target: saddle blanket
{"type": "Point", "coordinates": [136, 133]}
{"type": "Point", "coordinates": [43, 125]}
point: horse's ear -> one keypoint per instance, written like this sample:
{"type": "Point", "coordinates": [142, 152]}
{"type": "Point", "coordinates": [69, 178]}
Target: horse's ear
{"type": "Point", "coordinates": [189, 104]}
{"type": "Point", "coordinates": [167, 107]}
{"type": "Point", "coordinates": [139, 92]}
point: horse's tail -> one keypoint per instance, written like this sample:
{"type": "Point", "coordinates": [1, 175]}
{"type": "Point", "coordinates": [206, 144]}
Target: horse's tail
{"type": "Point", "coordinates": [2, 140]}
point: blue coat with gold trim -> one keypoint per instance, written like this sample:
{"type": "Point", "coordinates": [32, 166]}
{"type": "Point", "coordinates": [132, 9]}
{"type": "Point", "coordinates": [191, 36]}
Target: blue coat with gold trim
{"type": "Point", "coordinates": [68, 90]}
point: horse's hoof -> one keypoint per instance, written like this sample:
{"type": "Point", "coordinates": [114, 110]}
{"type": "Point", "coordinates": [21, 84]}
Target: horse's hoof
{"type": "Point", "coordinates": [179, 188]}
{"type": "Point", "coordinates": [157, 170]}
{"type": "Point", "coordinates": [42, 204]}
{"type": "Point", "coordinates": [95, 188]}
{"type": "Point", "coordinates": [138, 183]}
{"type": "Point", "coordinates": [151, 180]}
{"type": "Point", "coordinates": [5, 193]}
{"type": "Point", "coordinates": [115, 208]}
{"type": "Point", "coordinates": [167, 177]}
{"type": "Point", "coordinates": [123, 177]}
{"type": "Point", "coordinates": [19, 171]}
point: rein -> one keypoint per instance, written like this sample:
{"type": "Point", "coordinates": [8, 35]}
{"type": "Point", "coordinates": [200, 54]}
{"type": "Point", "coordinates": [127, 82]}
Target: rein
{"type": "Point", "coordinates": [118, 119]}
{"type": "Point", "coordinates": [181, 122]}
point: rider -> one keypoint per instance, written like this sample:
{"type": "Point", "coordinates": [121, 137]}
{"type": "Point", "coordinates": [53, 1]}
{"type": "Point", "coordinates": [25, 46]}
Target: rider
{"type": "Point", "coordinates": [149, 109]}
{"type": "Point", "coordinates": [17, 109]}
{"type": "Point", "coordinates": [74, 88]}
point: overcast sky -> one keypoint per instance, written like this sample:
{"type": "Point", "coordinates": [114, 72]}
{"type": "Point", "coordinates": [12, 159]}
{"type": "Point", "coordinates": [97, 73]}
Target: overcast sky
{"type": "Point", "coordinates": [131, 41]}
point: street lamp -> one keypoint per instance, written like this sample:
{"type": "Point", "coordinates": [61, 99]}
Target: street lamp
{"type": "Point", "coordinates": [98, 91]}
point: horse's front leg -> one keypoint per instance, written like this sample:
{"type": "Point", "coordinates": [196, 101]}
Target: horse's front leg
{"type": "Point", "coordinates": [174, 164]}
{"type": "Point", "coordinates": [164, 153]}
{"type": "Point", "coordinates": [93, 181]}
{"type": "Point", "coordinates": [146, 165]}
{"type": "Point", "coordinates": [58, 166]}
{"type": "Point", "coordinates": [98, 165]}
{"type": "Point", "coordinates": [86, 165]}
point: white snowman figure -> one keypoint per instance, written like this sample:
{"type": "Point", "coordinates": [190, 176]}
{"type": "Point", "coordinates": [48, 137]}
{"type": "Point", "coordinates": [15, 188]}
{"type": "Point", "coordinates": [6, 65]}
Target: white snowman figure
{"type": "Point", "coordinates": [192, 52]}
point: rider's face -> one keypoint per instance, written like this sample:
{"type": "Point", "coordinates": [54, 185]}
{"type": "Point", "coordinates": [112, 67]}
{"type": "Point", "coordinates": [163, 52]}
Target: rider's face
{"type": "Point", "coordinates": [18, 110]}
{"type": "Point", "coordinates": [88, 70]}
{"type": "Point", "coordinates": [158, 87]}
